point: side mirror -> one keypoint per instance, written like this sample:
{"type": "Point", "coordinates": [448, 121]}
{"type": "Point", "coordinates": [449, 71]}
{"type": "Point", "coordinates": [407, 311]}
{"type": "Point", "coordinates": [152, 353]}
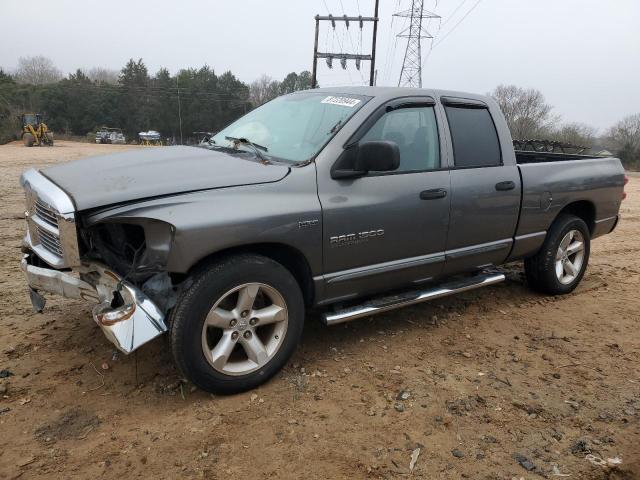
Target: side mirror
{"type": "Point", "coordinates": [372, 156]}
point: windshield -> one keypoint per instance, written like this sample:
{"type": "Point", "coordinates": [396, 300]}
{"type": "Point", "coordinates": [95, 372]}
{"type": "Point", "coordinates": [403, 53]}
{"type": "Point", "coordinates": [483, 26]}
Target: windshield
{"type": "Point", "coordinates": [294, 127]}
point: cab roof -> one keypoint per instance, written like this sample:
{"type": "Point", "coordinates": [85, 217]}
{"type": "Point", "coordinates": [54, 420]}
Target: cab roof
{"type": "Point", "coordinates": [387, 93]}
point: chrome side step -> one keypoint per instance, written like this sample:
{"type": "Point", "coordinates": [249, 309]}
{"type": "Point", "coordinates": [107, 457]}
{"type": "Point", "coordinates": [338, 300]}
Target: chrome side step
{"type": "Point", "coordinates": [384, 304]}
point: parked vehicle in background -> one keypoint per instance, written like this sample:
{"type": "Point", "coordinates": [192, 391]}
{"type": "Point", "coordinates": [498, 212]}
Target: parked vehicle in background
{"type": "Point", "coordinates": [352, 201]}
{"type": "Point", "coordinates": [110, 135]}
{"type": "Point", "coordinates": [34, 131]}
{"type": "Point", "coordinates": [150, 138]}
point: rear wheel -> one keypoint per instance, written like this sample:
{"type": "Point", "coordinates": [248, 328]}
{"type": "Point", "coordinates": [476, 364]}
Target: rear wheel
{"type": "Point", "coordinates": [237, 325]}
{"type": "Point", "coordinates": [560, 264]}
{"type": "Point", "coordinates": [28, 140]}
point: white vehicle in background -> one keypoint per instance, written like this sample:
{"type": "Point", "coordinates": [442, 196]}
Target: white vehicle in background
{"type": "Point", "coordinates": [150, 137]}
{"type": "Point", "coordinates": [110, 135]}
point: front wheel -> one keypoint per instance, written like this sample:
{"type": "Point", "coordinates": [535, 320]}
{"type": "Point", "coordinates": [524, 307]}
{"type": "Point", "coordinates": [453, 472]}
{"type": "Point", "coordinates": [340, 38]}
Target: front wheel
{"type": "Point", "coordinates": [237, 324]}
{"type": "Point", "coordinates": [561, 262]}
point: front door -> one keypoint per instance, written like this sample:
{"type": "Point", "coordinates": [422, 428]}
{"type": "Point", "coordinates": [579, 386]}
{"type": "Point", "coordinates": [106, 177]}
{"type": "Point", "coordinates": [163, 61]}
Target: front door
{"type": "Point", "coordinates": [388, 229]}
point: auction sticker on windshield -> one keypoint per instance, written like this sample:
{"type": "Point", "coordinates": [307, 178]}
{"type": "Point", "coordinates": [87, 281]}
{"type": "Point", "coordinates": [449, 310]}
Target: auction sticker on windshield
{"type": "Point", "coordinates": [342, 101]}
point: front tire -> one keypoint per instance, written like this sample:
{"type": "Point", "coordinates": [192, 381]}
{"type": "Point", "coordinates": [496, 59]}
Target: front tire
{"type": "Point", "coordinates": [237, 324]}
{"type": "Point", "coordinates": [28, 140]}
{"type": "Point", "coordinates": [560, 264]}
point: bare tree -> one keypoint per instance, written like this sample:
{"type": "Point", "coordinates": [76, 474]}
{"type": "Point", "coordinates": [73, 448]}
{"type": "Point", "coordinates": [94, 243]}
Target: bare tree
{"type": "Point", "coordinates": [624, 137]}
{"type": "Point", "coordinates": [526, 112]}
{"type": "Point", "coordinates": [104, 75]}
{"type": "Point", "coordinates": [626, 132]}
{"type": "Point", "coordinates": [37, 70]}
{"type": "Point", "coordinates": [574, 133]}
{"type": "Point", "coordinates": [262, 90]}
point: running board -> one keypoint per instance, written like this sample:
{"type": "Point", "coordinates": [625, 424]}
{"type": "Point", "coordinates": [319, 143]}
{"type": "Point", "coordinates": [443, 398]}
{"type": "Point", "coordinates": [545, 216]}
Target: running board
{"type": "Point", "coordinates": [384, 304]}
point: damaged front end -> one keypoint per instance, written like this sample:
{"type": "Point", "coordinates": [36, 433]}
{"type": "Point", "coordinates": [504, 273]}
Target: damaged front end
{"type": "Point", "coordinates": [110, 266]}
{"type": "Point", "coordinates": [125, 314]}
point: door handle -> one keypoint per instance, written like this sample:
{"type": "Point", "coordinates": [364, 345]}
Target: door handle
{"type": "Point", "coordinates": [502, 186]}
{"type": "Point", "coordinates": [433, 194]}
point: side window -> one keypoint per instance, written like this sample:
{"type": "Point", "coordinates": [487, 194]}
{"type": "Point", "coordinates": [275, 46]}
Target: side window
{"type": "Point", "coordinates": [415, 131]}
{"type": "Point", "coordinates": [474, 137]}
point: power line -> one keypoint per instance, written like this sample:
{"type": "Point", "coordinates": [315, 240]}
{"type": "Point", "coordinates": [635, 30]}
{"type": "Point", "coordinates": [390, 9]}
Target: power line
{"type": "Point", "coordinates": [457, 24]}
{"type": "Point", "coordinates": [452, 14]}
{"type": "Point", "coordinates": [150, 92]}
{"type": "Point", "coordinates": [342, 55]}
{"type": "Point", "coordinates": [351, 41]}
{"type": "Point", "coordinates": [336, 37]}
{"type": "Point", "coordinates": [389, 49]}
{"type": "Point", "coordinates": [395, 43]}
{"type": "Point", "coordinates": [150, 86]}
{"type": "Point", "coordinates": [436, 42]}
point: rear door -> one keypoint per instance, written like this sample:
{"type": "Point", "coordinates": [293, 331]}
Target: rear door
{"type": "Point", "coordinates": [485, 192]}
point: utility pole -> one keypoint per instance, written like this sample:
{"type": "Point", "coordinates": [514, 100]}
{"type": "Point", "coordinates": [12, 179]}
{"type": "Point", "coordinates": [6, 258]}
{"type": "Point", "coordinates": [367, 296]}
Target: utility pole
{"type": "Point", "coordinates": [411, 74]}
{"type": "Point", "coordinates": [342, 56]}
{"type": "Point", "coordinates": [314, 70]}
{"type": "Point", "coordinates": [179, 108]}
{"type": "Point", "coordinates": [372, 75]}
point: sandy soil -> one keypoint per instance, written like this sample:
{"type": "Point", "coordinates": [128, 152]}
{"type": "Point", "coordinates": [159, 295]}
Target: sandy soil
{"type": "Point", "coordinates": [484, 384]}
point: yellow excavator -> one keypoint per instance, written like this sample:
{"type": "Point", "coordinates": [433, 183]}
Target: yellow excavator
{"type": "Point", "coordinates": [34, 131]}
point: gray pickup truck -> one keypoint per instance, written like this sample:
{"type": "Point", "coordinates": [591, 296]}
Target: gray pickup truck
{"type": "Point", "coordinates": [349, 201]}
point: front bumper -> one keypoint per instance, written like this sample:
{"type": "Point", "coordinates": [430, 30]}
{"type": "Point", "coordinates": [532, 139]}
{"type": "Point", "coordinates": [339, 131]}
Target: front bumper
{"type": "Point", "coordinates": [127, 316]}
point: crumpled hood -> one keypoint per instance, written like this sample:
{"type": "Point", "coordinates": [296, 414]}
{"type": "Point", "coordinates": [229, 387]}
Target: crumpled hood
{"type": "Point", "coordinates": [154, 171]}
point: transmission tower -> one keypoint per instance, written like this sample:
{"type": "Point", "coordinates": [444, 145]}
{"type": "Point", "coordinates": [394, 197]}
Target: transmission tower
{"type": "Point", "coordinates": [411, 74]}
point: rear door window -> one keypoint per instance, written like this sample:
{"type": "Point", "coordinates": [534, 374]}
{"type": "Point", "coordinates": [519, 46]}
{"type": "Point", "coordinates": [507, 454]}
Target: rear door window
{"type": "Point", "coordinates": [474, 137]}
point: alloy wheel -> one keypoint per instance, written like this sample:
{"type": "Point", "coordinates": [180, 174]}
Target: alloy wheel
{"type": "Point", "coordinates": [569, 257]}
{"type": "Point", "coordinates": [244, 329]}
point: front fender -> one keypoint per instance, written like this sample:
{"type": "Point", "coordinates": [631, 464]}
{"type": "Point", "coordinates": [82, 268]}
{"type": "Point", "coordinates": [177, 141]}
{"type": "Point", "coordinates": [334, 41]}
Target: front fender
{"type": "Point", "coordinates": [189, 227]}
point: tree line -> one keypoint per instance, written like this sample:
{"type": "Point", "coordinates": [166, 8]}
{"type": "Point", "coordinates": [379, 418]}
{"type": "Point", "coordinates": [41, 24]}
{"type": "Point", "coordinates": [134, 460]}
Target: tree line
{"type": "Point", "coordinates": [198, 99]}
{"type": "Point", "coordinates": [192, 100]}
{"type": "Point", "coordinates": [530, 117]}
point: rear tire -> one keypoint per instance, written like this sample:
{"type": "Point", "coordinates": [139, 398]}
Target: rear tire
{"type": "Point", "coordinates": [559, 266]}
{"type": "Point", "coordinates": [237, 324]}
{"type": "Point", "coordinates": [28, 140]}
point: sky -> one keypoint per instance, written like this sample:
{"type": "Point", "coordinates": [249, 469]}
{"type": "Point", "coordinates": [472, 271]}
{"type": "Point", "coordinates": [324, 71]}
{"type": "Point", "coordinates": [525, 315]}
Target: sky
{"type": "Point", "coordinates": [583, 55]}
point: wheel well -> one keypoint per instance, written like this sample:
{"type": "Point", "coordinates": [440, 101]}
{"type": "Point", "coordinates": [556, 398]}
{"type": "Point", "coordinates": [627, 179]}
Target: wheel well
{"type": "Point", "coordinates": [584, 210]}
{"type": "Point", "coordinates": [290, 258]}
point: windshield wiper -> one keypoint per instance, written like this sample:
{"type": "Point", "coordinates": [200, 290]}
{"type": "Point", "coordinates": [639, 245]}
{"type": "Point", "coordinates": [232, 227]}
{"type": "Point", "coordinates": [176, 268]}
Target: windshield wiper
{"type": "Point", "coordinates": [334, 129]}
{"type": "Point", "coordinates": [256, 147]}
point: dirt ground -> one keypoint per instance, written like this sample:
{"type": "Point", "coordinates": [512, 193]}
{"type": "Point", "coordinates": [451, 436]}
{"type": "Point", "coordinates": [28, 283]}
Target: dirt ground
{"type": "Point", "coordinates": [487, 385]}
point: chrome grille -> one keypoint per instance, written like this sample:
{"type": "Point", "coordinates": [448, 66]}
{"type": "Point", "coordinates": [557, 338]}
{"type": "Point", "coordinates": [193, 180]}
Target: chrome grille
{"type": "Point", "coordinates": [49, 241]}
{"type": "Point", "coordinates": [51, 228]}
{"type": "Point", "coordinates": [46, 213]}
{"type": "Point", "coordinates": [45, 223]}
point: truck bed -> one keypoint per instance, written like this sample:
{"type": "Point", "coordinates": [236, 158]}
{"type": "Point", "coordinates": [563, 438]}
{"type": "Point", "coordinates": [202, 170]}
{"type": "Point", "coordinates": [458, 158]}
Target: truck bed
{"type": "Point", "coordinates": [523, 157]}
{"type": "Point", "coordinates": [550, 181]}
